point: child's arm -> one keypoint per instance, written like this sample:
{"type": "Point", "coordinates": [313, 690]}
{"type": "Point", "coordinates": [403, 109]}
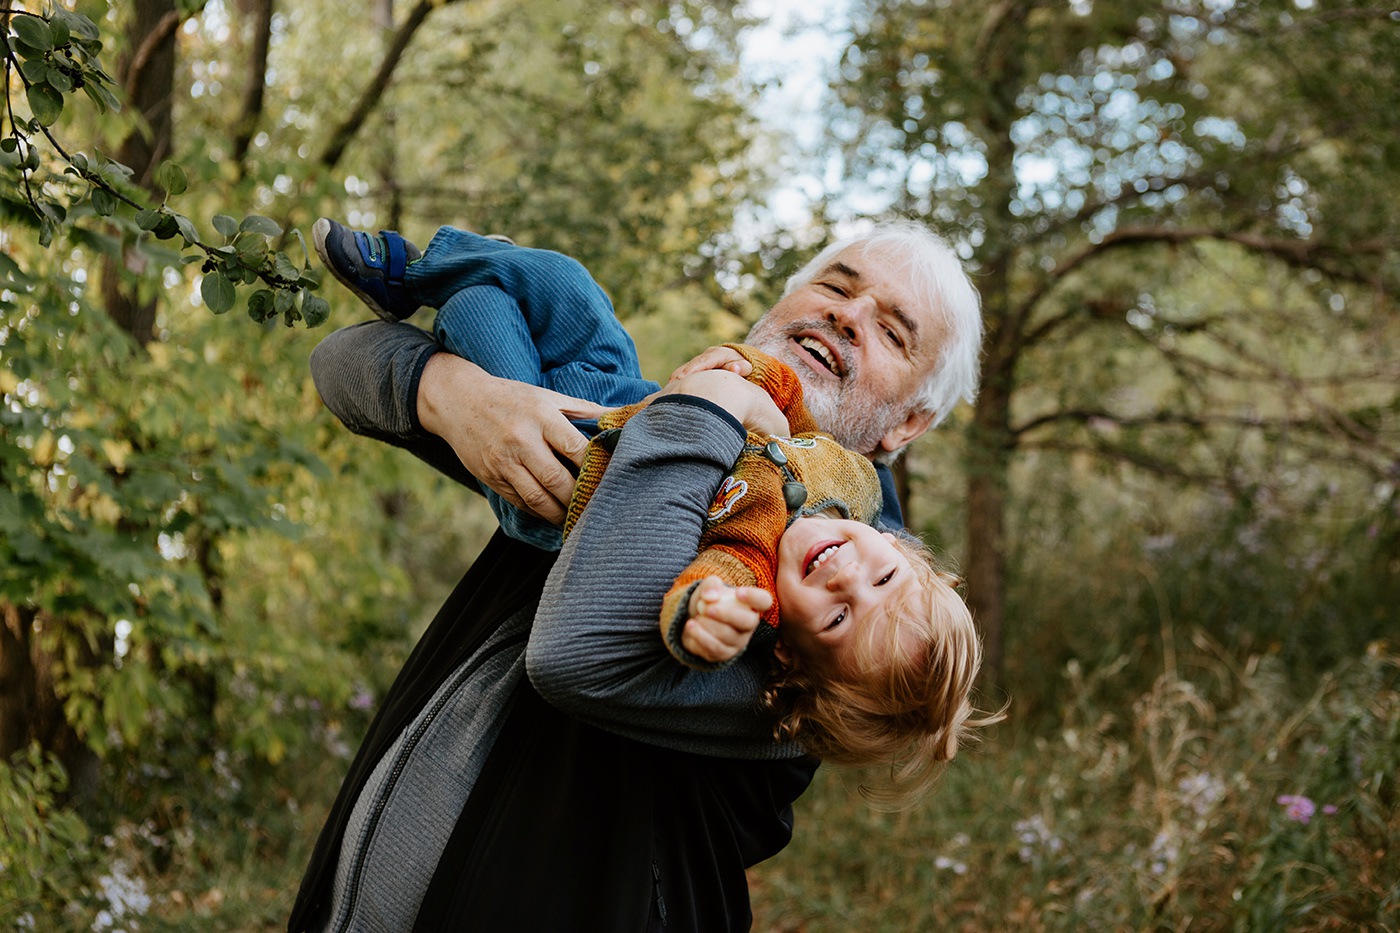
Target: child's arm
{"type": "Point", "coordinates": [722, 619]}
{"type": "Point", "coordinates": [594, 651]}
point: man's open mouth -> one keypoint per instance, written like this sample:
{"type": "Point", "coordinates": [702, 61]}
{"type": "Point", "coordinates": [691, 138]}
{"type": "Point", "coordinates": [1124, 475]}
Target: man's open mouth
{"type": "Point", "coordinates": [822, 354]}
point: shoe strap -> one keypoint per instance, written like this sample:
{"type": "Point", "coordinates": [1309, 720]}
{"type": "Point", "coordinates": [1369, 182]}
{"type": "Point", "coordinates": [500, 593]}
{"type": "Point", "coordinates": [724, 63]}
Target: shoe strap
{"type": "Point", "coordinates": [398, 256]}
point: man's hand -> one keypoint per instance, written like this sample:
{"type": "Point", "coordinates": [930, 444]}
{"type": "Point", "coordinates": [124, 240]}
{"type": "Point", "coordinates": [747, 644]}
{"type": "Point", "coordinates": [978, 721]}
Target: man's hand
{"type": "Point", "coordinates": [724, 358]}
{"type": "Point", "coordinates": [745, 401]}
{"type": "Point", "coordinates": [507, 434]}
{"type": "Point", "coordinates": [723, 619]}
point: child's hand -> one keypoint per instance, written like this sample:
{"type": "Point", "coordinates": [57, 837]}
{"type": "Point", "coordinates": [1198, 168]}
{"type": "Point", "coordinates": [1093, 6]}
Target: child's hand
{"type": "Point", "coordinates": [725, 358]}
{"type": "Point", "coordinates": [723, 619]}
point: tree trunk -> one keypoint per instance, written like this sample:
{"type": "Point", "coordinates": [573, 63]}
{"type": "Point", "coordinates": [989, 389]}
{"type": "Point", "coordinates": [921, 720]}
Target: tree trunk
{"type": "Point", "coordinates": [17, 682]}
{"type": "Point", "coordinates": [989, 460]}
{"type": "Point", "coordinates": [148, 74]}
{"type": "Point", "coordinates": [259, 12]}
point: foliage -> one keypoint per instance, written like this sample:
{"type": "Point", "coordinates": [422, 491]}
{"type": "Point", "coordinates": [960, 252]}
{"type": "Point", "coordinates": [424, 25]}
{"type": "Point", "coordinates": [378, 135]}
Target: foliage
{"type": "Point", "coordinates": [1234, 797]}
{"type": "Point", "coordinates": [1171, 209]}
{"type": "Point", "coordinates": [56, 55]}
{"type": "Point", "coordinates": [45, 854]}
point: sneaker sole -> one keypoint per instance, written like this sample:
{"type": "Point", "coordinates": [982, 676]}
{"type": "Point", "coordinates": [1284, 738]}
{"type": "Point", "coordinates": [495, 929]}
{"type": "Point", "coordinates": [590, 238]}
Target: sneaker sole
{"type": "Point", "coordinates": [319, 231]}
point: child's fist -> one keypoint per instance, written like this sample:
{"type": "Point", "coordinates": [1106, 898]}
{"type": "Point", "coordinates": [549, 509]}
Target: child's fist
{"type": "Point", "coordinates": [723, 619]}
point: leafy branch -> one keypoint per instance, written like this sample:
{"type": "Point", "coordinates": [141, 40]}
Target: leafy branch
{"type": "Point", "coordinates": [57, 55]}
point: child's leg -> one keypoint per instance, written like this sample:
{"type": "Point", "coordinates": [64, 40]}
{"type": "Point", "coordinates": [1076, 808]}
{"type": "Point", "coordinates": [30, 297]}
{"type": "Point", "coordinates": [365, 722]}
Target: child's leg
{"type": "Point", "coordinates": [530, 315]}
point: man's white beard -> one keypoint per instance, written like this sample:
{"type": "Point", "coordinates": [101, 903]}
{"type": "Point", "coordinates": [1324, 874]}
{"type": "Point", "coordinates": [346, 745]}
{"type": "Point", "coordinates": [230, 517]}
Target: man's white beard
{"type": "Point", "coordinates": [843, 409]}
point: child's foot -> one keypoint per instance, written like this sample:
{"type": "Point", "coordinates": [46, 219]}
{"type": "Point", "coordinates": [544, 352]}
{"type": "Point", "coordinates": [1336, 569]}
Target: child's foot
{"type": "Point", "coordinates": [370, 265]}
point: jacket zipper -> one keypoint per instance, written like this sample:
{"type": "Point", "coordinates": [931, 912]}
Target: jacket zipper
{"type": "Point", "coordinates": [401, 762]}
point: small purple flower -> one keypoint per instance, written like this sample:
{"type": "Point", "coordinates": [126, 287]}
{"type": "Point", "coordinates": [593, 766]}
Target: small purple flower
{"type": "Point", "coordinates": [362, 699]}
{"type": "Point", "coordinates": [1329, 809]}
{"type": "Point", "coordinates": [1298, 807]}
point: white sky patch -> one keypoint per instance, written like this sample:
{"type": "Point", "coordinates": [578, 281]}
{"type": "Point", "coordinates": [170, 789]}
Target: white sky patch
{"type": "Point", "coordinates": [793, 53]}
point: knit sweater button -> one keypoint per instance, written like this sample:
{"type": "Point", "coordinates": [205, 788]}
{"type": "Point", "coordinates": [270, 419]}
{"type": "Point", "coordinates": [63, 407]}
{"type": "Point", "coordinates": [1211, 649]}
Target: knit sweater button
{"type": "Point", "coordinates": [794, 494]}
{"type": "Point", "coordinates": [774, 452]}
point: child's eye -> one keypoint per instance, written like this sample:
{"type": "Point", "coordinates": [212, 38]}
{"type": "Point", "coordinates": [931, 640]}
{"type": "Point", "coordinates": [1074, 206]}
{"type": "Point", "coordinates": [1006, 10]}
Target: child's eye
{"type": "Point", "coordinates": [837, 621]}
{"type": "Point", "coordinates": [886, 578]}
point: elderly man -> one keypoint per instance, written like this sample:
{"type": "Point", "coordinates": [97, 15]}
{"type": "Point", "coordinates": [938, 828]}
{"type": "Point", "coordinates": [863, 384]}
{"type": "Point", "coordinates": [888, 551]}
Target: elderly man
{"type": "Point", "coordinates": [472, 803]}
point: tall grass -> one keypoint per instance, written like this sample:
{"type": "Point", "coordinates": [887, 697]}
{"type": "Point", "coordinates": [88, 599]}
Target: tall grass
{"type": "Point", "coordinates": [1223, 798]}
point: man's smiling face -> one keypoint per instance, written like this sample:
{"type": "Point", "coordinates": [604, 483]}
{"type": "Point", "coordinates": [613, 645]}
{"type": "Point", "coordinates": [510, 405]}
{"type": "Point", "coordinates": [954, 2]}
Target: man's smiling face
{"type": "Point", "coordinates": [862, 341]}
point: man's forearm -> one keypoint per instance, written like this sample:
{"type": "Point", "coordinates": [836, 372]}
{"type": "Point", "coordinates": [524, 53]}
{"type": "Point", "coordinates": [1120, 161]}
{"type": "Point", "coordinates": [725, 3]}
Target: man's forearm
{"type": "Point", "coordinates": [368, 375]}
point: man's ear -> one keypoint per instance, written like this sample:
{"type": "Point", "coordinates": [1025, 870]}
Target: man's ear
{"type": "Point", "coordinates": [916, 423]}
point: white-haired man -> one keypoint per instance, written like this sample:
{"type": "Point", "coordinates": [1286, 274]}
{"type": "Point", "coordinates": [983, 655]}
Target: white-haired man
{"type": "Point", "coordinates": [472, 803]}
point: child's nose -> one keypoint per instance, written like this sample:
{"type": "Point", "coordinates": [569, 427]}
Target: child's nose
{"type": "Point", "coordinates": [843, 577]}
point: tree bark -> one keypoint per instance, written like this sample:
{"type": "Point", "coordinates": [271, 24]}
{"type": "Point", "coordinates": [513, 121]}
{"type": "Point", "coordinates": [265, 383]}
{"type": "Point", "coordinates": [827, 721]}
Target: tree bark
{"type": "Point", "coordinates": [148, 73]}
{"type": "Point", "coordinates": [17, 681]}
{"type": "Point", "coordinates": [255, 83]}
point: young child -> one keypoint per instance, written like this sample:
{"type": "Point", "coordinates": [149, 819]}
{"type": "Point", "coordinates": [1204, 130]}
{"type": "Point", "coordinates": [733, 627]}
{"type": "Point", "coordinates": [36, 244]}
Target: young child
{"type": "Point", "coordinates": [870, 655]}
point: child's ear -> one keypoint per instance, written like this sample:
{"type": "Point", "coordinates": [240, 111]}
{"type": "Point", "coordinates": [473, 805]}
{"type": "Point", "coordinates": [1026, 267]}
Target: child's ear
{"type": "Point", "coordinates": [784, 654]}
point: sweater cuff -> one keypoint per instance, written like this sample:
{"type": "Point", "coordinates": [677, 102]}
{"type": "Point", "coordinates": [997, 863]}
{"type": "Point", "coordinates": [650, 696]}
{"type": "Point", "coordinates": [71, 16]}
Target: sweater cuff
{"type": "Point", "coordinates": [708, 406]}
{"type": "Point", "coordinates": [415, 376]}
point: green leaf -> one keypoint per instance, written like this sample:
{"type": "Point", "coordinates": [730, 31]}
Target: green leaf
{"type": "Point", "coordinates": [33, 31]}
{"type": "Point", "coordinates": [9, 144]}
{"type": "Point", "coordinates": [59, 80]}
{"type": "Point", "coordinates": [251, 248]}
{"type": "Point", "coordinates": [35, 70]}
{"type": "Point", "coordinates": [172, 178]}
{"type": "Point", "coordinates": [58, 32]}
{"type": "Point", "coordinates": [314, 309]}
{"type": "Point", "coordinates": [260, 305]}
{"type": "Point", "coordinates": [167, 227]}
{"type": "Point", "coordinates": [217, 292]}
{"type": "Point", "coordinates": [282, 301]}
{"type": "Point", "coordinates": [259, 224]}
{"type": "Point", "coordinates": [77, 23]}
{"type": "Point", "coordinates": [284, 268]}
{"type": "Point", "coordinates": [225, 224]}
{"type": "Point", "coordinates": [44, 102]}
{"type": "Point", "coordinates": [187, 229]}
{"type": "Point", "coordinates": [103, 202]}
{"type": "Point", "coordinates": [148, 218]}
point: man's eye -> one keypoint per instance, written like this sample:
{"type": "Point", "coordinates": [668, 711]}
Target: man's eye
{"type": "Point", "coordinates": [886, 578]}
{"type": "Point", "coordinates": [894, 338]}
{"type": "Point", "coordinates": [837, 289]}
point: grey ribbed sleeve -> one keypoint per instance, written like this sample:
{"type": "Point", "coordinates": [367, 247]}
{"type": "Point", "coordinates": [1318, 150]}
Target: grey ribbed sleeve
{"type": "Point", "coordinates": [596, 650]}
{"type": "Point", "coordinates": [368, 376]}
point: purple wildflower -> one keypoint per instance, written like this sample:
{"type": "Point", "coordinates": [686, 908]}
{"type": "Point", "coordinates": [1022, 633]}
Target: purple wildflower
{"type": "Point", "coordinates": [1298, 807]}
{"type": "Point", "coordinates": [362, 699]}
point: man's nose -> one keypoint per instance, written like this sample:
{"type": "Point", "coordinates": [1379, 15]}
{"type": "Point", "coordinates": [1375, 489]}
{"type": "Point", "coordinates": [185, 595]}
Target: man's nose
{"type": "Point", "coordinates": [851, 316]}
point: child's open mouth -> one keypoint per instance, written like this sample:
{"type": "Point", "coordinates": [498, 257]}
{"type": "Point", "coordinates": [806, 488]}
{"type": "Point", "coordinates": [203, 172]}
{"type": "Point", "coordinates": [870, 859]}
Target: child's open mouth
{"type": "Point", "coordinates": [818, 555]}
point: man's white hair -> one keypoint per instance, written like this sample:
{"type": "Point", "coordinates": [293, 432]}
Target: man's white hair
{"type": "Point", "coordinates": [938, 279]}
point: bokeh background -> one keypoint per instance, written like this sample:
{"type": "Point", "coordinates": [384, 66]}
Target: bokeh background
{"type": "Point", "coordinates": [1175, 500]}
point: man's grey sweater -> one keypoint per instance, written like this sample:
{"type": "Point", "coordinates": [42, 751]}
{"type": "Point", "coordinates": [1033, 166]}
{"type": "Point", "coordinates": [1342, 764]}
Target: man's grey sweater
{"type": "Point", "coordinates": [593, 650]}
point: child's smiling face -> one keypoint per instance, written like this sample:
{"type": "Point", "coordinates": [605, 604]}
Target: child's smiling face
{"type": "Point", "coordinates": [836, 578]}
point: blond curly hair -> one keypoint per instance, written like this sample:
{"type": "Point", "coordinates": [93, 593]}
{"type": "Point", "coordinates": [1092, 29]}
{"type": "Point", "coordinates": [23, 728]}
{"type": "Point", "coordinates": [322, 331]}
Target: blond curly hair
{"type": "Point", "coordinates": [908, 706]}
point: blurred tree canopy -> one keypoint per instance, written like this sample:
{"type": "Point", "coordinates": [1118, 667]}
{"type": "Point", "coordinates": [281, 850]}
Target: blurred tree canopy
{"type": "Point", "coordinates": [1182, 221]}
{"type": "Point", "coordinates": [1181, 215]}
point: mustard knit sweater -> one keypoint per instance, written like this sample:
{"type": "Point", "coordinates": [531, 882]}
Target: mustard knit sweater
{"type": "Point", "coordinates": [775, 481]}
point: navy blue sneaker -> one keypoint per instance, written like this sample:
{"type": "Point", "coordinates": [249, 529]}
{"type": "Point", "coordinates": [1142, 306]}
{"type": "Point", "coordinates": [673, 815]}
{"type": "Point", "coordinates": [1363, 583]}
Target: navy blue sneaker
{"type": "Point", "coordinates": [370, 265]}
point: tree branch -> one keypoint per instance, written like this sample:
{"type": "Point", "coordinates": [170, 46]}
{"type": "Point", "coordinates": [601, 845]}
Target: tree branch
{"type": "Point", "coordinates": [135, 69]}
{"type": "Point", "coordinates": [1308, 254]}
{"type": "Point", "coordinates": [369, 99]}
